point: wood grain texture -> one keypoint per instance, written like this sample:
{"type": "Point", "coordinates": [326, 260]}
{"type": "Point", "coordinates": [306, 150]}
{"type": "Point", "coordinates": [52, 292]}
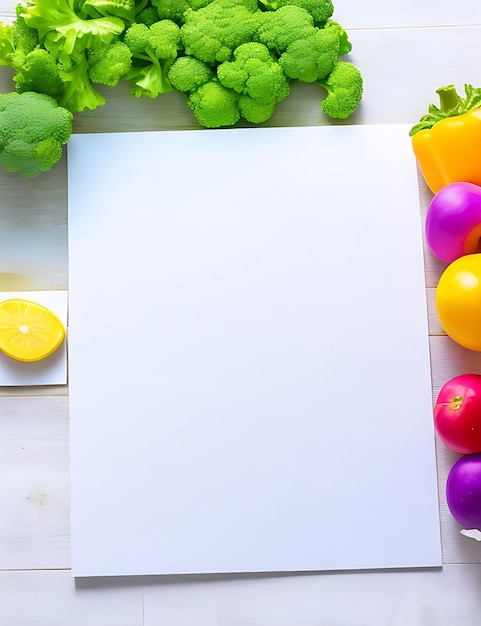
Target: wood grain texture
{"type": "Point", "coordinates": [50, 598]}
{"type": "Point", "coordinates": [422, 598]}
{"type": "Point", "coordinates": [405, 52]}
{"type": "Point", "coordinates": [34, 483]}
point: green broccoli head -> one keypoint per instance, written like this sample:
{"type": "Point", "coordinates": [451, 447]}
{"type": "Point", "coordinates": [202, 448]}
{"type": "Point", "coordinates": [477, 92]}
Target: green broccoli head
{"type": "Point", "coordinates": [109, 64]}
{"type": "Point", "coordinates": [257, 77]}
{"type": "Point", "coordinates": [147, 16]}
{"type": "Point", "coordinates": [33, 129]}
{"type": "Point", "coordinates": [214, 105]}
{"type": "Point", "coordinates": [17, 40]}
{"type": "Point", "coordinates": [24, 37]}
{"type": "Point", "coordinates": [187, 74]}
{"type": "Point", "coordinates": [212, 34]}
{"type": "Point", "coordinates": [345, 45]}
{"type": "Point", "coordinates": [255, 111]}
{"type": "Point", "coordinates": [161, 40]}
{"type": "Point", "coordinates": [175, 9]}
{"type": "Point", "coordinates": [312, 58]}
{"type": "Point", "coordinates": [344, 87]}
{"type": "Point", "coordinates": [278, 29]}
{"type": "Point", "coordinates": [164, 39]}
{"type": "Point", "coordinates": [154, 49]}
{"type": "Point", "coordinates": [321, 10]}
{"type": "Point", "coordinates": [136, 38]}
{"type": "Point", "coordinates": [38, 71]}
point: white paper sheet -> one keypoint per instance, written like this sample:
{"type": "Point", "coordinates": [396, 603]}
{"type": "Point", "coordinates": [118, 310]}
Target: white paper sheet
{"type": "Point", "coordinates": [249, 364]}
{"type": "Point", "coordinates": [49, 371]}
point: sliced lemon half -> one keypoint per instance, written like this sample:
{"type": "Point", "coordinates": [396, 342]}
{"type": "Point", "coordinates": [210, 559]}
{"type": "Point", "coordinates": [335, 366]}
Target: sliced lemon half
{"type": "Point", "coordinates": [28, 330]}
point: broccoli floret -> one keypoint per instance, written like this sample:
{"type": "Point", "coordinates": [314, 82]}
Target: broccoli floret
{"type": "Point", "coordinates": [312, 58]}
{"type": "Point", "coordinates": [175, 9]}
{"type": "Point", "coordinates": [214, 105]}
{"type": "Point", "coordinates": [16, 40]}
{"type": "Point", "coordinates": [278, 29]}
{"type": "Point", "coordinates": [321, 10]}
{"type": "Point", "coordinates": [165, 39]}
{"type": "Point", "coordinates": [38, 71]}
{"type": "Point", "coordinates": [344, 87]}
{"type": "Point", "coordinates": [212, 34]}
{"type": "Point", "coordinates": [147, 16]}
{"type": "Point", "coordinates": [35, 68]}
{"type": "Point", "coordinates": [154, 50]}
{"type": "Point", "coordinates": [345, 45]}
{"type": "Point", "coordinates": [33, 129]}
{"type": "Point", "coordinates": [108, 65]}
{"type": "Point", "coordinates": [258, 78]}
{"type": "Point", "coordinates": [188, 74]}
{"type": "Point", "coordinates": [24, 37]}
{"type": "Point", "coordinates": [137, 38]}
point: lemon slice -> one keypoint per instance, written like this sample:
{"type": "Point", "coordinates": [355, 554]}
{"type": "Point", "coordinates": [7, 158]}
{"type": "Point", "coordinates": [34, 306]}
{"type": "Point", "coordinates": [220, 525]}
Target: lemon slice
{"type": "Point", "coordinates": [28, 330]}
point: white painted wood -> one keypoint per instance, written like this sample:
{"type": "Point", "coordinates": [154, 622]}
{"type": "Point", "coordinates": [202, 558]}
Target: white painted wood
{"type": "Point", "coordinates": [51, 598]}
{"type": "Point", "coordinates": [402, 68]}
{"type": "Point", "coordinates": [33, 231]}
{"type": "Point", "coordinates": [450, 359]}
{"type": "Point", "coordinates": [382, 14]}
{"type": "Point", "coordinates": [34, 479]}
{"type": "Point", "coordinates": [425, 598]}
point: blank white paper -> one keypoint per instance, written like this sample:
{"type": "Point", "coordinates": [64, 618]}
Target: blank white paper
{"type": "Point", "coordinates": [248, 353]}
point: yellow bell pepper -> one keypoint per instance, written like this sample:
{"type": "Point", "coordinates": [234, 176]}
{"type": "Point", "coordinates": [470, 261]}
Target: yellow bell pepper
{"type": "Point", "coordinates": [447, 141]}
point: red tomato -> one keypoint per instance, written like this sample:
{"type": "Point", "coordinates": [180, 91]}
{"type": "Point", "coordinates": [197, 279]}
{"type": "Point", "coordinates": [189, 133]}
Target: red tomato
{"type": "Point", "coordinates": [457, 414]}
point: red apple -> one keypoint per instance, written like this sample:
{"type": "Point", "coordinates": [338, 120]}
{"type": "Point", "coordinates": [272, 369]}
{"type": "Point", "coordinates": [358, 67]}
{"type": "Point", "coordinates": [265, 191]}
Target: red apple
{"type": "Point", "coordinates": [457, 414]}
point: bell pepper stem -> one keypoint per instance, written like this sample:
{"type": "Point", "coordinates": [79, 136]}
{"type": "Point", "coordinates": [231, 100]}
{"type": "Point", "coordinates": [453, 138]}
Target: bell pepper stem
{"type": "Point", "coordinates": [448, 98]}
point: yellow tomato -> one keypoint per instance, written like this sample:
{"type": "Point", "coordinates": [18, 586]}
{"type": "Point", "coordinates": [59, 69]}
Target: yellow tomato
{"type": "Point", "coordinates": [458, 301]}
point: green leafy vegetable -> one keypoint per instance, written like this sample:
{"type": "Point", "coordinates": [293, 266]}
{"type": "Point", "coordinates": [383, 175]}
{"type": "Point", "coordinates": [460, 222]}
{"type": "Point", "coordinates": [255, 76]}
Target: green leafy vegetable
{"type": "Point", "coordinates": [344, 91]}
{"type": "Point", "coordinates": [213, 33]}
{"type": "Point", "coordinates": [33, 129]}
{"type": "Point", "coordinates": [259, 80]}
{"type": "Point", "coordinates": [154, 50]}
{"type": "Point", "coordinates": [234, 59]}
{"type": "Point", "coordinates": [107, 66]}
{"type": "Point", "coordinates": [214, 105]}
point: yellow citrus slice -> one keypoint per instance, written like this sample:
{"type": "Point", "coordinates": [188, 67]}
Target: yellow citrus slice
{"type": "Point", "coordinates": [28, 330]}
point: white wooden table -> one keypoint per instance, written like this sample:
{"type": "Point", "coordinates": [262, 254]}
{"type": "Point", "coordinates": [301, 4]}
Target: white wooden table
{"type": "Point", "coordinates": [405, 51]}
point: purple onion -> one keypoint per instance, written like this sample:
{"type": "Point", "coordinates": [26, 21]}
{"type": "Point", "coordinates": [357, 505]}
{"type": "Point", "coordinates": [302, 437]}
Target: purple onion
{"type": "Point", "coordinates": [463, 491]}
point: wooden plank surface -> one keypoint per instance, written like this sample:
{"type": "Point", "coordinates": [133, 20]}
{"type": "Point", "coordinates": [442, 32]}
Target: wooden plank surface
{"type": "Point", "coordinates": [49, 598]}
{"type": "Point", "coordinates": [405, 52]}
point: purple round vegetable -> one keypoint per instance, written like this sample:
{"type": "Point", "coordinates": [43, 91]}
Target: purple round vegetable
{"type": "Point", "coordinates": [463, 491]}
{"type": "Point", "coordinates": [453, 221]}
